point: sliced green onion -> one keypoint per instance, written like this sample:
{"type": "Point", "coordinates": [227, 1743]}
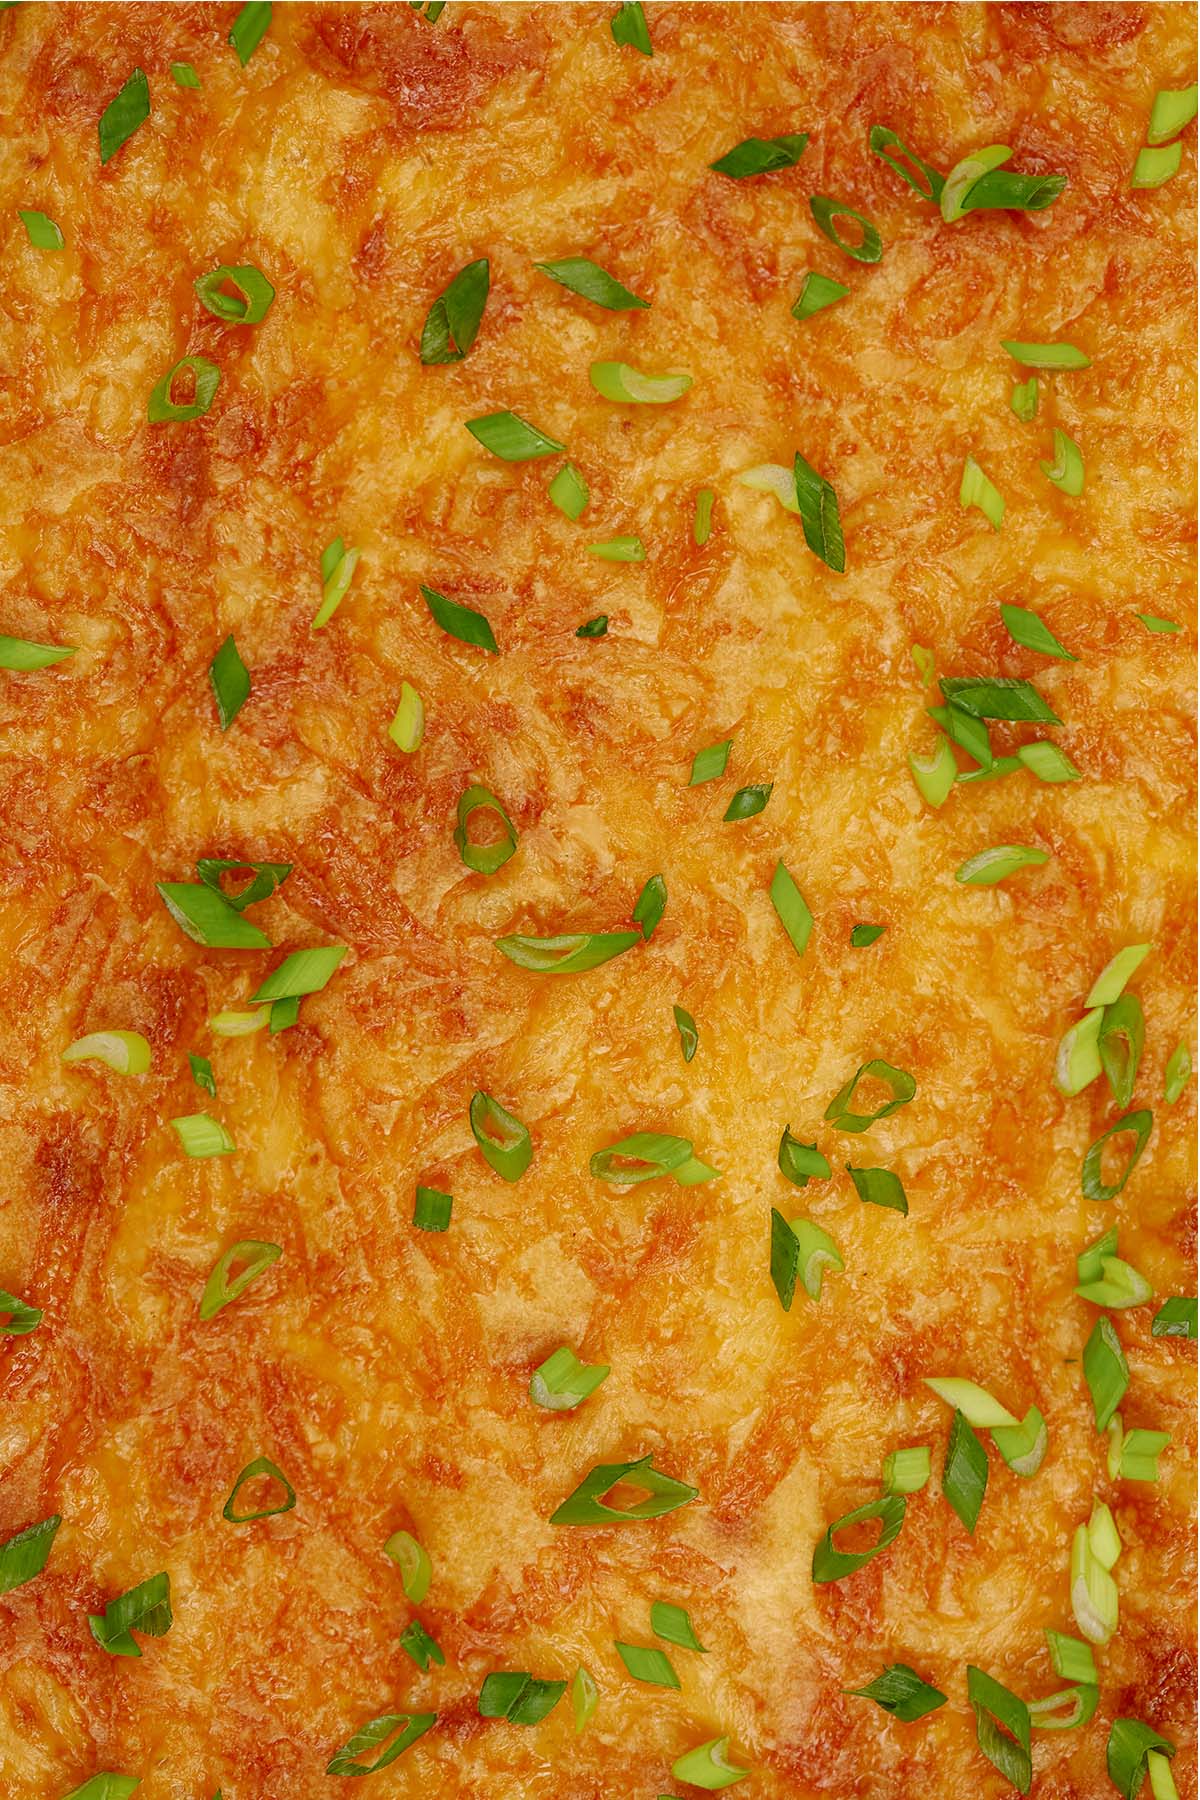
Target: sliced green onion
{"type": "Point", "coordinates": [1031, 631]}
{"type": "Point", "coordinates": [402, 1729]}
{"type": "Point", "coordinates": [707, 1766]}
{"type": "Point", "coordinates": [618, 381]}
{"type": "Point", "coordinates": [562, 1382]}
{"type": "Point", "coordinates": [202, 1136]}
{"type": "Point", "coordinates": [591, 282]}
{"type": "Point", "coordinates": [1158, 625]}
{"type": "Point", "coordinates": [827, 211]}
{"type": "Point", "coordinates": [230, 682]}
{"type": "Point", "coordinates": [977, 1406]}
{"type": "Point", "coordinates": [907, 1471]}
{"type": "Point", "coordinates": [161, 408]}
{"type": "Point", "coordinates": [996, 864]}
{"type": "Point", "coordinates": [337, 572]}
{"type": "Point", "coordinates": [831, 1564]}
{"type": "Point", "coordinates": [1110, 984]}
{"type": "Point", "coordinates": [976, 184]}
{"type": "Point", "coordinates": [1133, 1455]}
{"type": "Point", "coordinates": [586, 1505]}
{"type": "Point", "coordinates": [416, 1570]}
{"type": "Point", "coordinates": [407, 729]}
{"type": "Point", "coordinates": [452, 323]}
{"type": "Point", "coordinates": [416, 1642]}
{"type": "Point", "coordinates": [249, 306]}
{"type": "Point", "coordinates": [628, 26]}
{"type": "Point", "coordinates": [818, 292]}
{"type": "Point", "coordinates": [1139, 1124]}
{"type": "Point", "coordinates": [1024, 399]}
{"type": "Point", "coordinates": [569, 954]}
{"type": "Point", "coordinates": [819, 516]}
{"type": "Point", "coordinates": [882, 140]}
{"type": "Point", "coordinates": [801, 1163]}
{"type": "Point", "coordinates": [643, 1157]}
{"type": "Point", "coordinates": [965, 1472]}
{"type": "Point", "coordinates": [250, 28]}
{"type": "Point", "coordinates": [672, 1624]}
{"type": "Point", "coordinates": [17, 1317]}
{"type": "Point", "coordinates": [484, 859]}
{"type": "Point", "coordinates": [569, 492]}
{"type": "Point", "coordinates": [748, 802]}
{"type": "Point", "coordinates": [647, 1663]}
{"type": "Point", "coordinates": [901, 1083]}
{"type": "Point", "coordinates": [702, 522]}
{"type": "Point", "coordinates": [266, 877]}
{"type": "Point", "coordinates": [935, 776]}
{"type": "Point", "coordinates": [791, 907]}
{"type": "Point", "coordinates": [710, 763]}
{"type": "Point", "coordinates": [1000, 765]}
{"type": "Point", "coordinates": [220, 1289]}
{"type": "Point", "coordinates": [262, 1465]}
{"type": "Point", "coordinates": [1173, 108]}
{"type": "Point", "coordinates": [42, 232]}
{"type": "Point", "coordinates": [1118, 1285]}
{"type": "Point", "coordinates": [1178, 1073]}
{"type": "Point", "coordinates": [1122, 1037]}
{"type": "Point", "coordinates": [1130, 1746]}
{"type": "Point", "coordinates": [1072, 1659]}
{"type": "Point", "coordinates": [901, 1692]}
{"type": "Point", "coordinates": [773, 478]}
{"type": "Point", "coordinates": [432, 1209]}
{"type": "Point", "coordinates": [963, 729]}
{"type": "Point", "coordinates": [125, 1052]}
{"type": "Point", "coordinates": [862, 935]}
{"type": "Point", "coordinates": [693, 1171]}
{"type": "Point", "coordinates": [1089, 1264]}
{"type": "Point", "coordinates": [650, 905]}
{"type": "Point", "coordinates": [518, 1697]}
{"type": "Point", "coordinates": [1047, 761]}
{"type": "Point", "coordinates": [1001, 1727]}
{"type": "Point", "coordinates": [689, 1035]}
{"type": "Point", "coordinates": [926, 665]}
{"type": "Point", "coordinates": [237, 1024]}
{"type": "Point", "coordinates": [208, 918]}
{"type": "Point", "coordinates": [26, 1554]}
{"type": "Point", "coordinates": [1154, 168]}
{"type": "Point", "coordinates": [1105, 1370]}
{"type": "Point", "coordinates": [303, 972]}
{"type": "Point", "coordinates": [506, 1144]}
{"type": "Point", "coordinates": [124, 113]}
{"type": "Point", "coordinates": [1175, 1318]}
{"type": "Point", "coordinates": [879, 1187]}
{"type": "Point", "coordinates": [816, 1252]}
{"type": "Point", "coordinates": [1023, 1446]}
{"type": "Point", "coordinates": [202, 1074]}
{"type": "Point", "coordinates": [461, 622]}
{"type": "Point", "coordinates": [761, 156]}
{"type": "Point", "coordinates": [184, 76]}
{"type": "Point", "coordinates": [1094, 1599]}
{"type": "Point", "coordinates": [1104, 1539]}
{"type": "Point", "coordinates": [1066, 471]}
{"type": "Point", "coordinates": [976, 490]}
{"type": "Point", "coordinates": [1046, 356]}
{"type": "Point", "coordinates": [512, 438]}
{"type": "Point", "coordinates": [585, 1697]}
{"type": "Point", "coordinates": [21, 654]}
{"type": "Point", "coordinates": [626, 549]}
{"type": "Point", "coordinates": [1046, 1714]}
{"type": "Point", "coordinates": [145, 1608]}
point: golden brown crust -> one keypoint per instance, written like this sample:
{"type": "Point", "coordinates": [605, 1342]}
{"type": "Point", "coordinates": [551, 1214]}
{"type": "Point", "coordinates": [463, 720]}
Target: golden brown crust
{"type": "Point", "coordinates": [361, 158]}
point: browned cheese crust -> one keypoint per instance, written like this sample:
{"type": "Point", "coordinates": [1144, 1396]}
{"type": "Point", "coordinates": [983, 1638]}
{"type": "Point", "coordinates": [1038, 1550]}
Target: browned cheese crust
{"type": "Point", "coordinates": [361, 158]}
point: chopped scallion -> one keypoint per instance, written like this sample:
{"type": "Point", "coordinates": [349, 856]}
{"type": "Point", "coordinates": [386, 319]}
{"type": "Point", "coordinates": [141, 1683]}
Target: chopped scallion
{"type": "Point", "coordinates": [587, 279]}
{"type": "Point", "coordinates": [562, 1382]}
{"type": "Point", "coordinates": [504, 1141]}
{"type": "Point", "coordinates": [827, 212]}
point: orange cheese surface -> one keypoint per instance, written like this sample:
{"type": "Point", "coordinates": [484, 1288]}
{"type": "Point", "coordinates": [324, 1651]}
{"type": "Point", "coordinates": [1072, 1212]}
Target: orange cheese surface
{"type": "Point", "coordinates": [360, 158]}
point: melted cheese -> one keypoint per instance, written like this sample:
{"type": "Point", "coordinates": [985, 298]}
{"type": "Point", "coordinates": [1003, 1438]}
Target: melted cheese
{"type": "Point", "coordinates": [361, 158]}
